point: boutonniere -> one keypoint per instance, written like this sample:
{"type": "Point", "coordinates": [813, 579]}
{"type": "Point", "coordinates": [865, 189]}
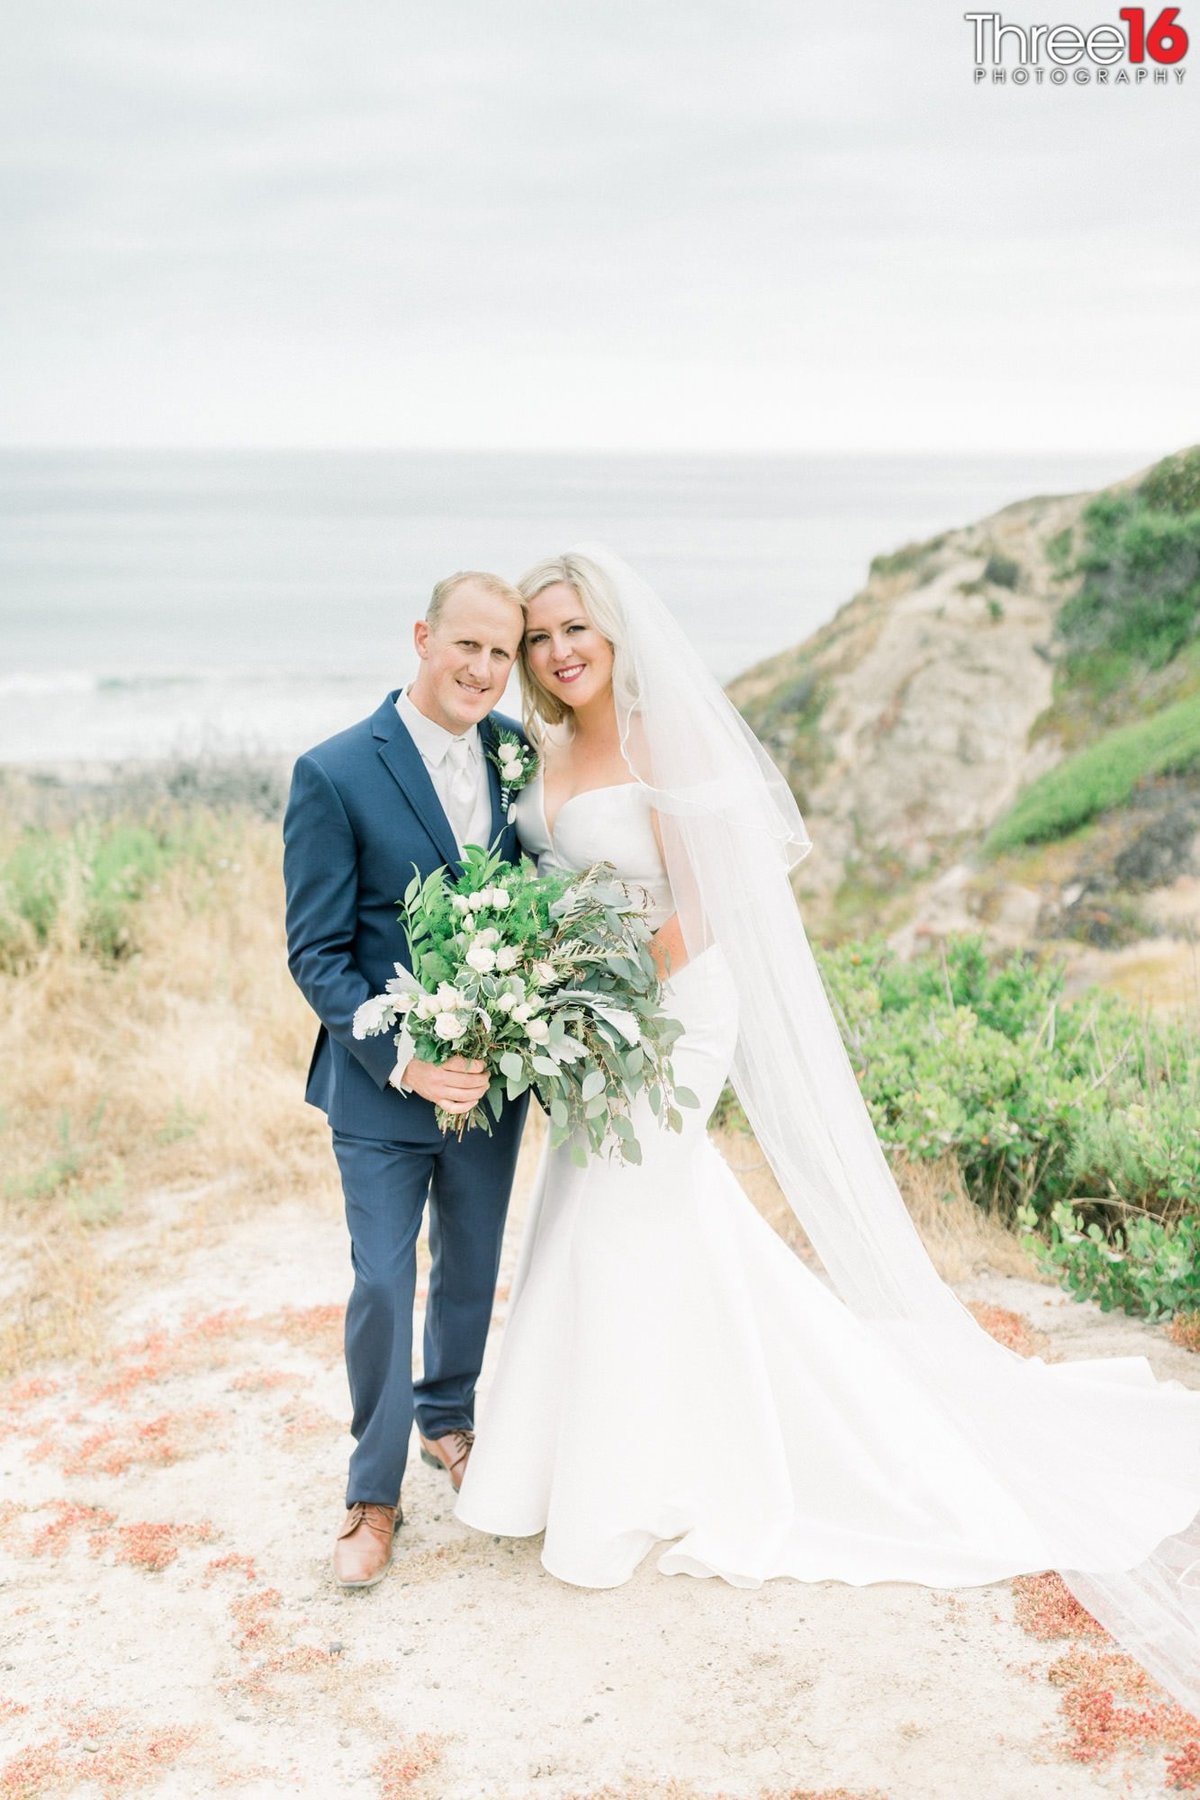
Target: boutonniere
{"type": "Point", "coordinates": [517, 764]}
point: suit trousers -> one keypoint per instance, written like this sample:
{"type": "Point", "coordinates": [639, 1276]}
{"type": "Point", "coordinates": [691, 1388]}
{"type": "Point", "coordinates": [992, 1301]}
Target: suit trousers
{"type": "Point", "coordinates": [386, 1186]}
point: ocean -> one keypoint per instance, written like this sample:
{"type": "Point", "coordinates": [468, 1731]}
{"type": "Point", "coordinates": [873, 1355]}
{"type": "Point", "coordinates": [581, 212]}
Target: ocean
{"type": "Point", "coordinates": [178, 603]}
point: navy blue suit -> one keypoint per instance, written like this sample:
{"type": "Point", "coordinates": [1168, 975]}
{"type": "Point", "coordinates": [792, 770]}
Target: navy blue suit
{"type": "Point", "coordinates": [362, 812]}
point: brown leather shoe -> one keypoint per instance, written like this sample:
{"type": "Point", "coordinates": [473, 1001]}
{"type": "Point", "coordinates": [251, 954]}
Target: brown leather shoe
{"type": "Point", "coordinates": [362, 1551]}
{"type": "Point", "coordinates": [449, 1453]}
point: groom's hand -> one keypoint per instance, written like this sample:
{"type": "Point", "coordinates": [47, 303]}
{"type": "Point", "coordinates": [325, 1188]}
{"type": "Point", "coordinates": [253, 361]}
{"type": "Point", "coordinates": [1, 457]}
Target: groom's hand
{"type": "Point", "coordinates": [457, 1085]}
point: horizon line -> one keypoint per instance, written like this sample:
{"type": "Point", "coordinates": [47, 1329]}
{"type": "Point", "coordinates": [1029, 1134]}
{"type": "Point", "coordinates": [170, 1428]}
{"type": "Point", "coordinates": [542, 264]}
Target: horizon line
{"type": "Point", "coordinates": [406, 449]}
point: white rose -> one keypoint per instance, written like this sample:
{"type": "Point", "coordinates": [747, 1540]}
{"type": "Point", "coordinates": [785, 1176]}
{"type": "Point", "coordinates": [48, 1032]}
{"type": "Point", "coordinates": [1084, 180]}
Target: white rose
{"type": "Point", "coordinates": [543, 973]}
{"type": "Point", "coordinates": [506, 1002]}
{"type": "Point", "coordinates": [537, 1029]}
{"type": "Point", "coordinates": [500, 897]}
{"type": "Point", "coordinates": [506, 958]}
{"type": "Point", "coordinates": [469, 920]}
{"type": "Point", "coordinates": [404, 1000]}
{"type": "Point", "coordinates": [462, 902]}
{"type": "Point", "coordinates": [481, 957]}
{"type": "Point", "coordinates": [449, 1025]}
{"type": "Point", "coordinates": [426, 1006]}
{"type": "Point", "coordinates": [522, 1012]}
{"type": "Point", "coordinates": [488, 936]}
{"type": "Point", "coordinates": [447, 996]}
{"type": "Point", "coordinates": [510, 752]}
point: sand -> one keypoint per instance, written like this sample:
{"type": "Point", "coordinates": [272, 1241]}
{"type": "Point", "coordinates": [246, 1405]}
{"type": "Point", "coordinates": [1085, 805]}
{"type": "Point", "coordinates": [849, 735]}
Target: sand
{"type": "Point", "coordinates": [170, 1625]}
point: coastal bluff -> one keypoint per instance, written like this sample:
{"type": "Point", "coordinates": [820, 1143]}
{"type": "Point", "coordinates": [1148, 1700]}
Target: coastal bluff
{"type": "Point", "coordinates": [914, 722]}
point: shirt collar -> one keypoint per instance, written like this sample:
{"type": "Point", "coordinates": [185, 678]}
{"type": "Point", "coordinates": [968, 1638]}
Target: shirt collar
{"type": "Point", "coordinates": [432, 739]}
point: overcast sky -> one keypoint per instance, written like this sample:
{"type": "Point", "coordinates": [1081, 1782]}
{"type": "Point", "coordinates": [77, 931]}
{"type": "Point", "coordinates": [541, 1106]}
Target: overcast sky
{"type": "Point", "coordinates": [713, 224]}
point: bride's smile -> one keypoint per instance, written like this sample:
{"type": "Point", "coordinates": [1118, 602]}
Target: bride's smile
{"type": "Point", "coordinates": [566, 654]}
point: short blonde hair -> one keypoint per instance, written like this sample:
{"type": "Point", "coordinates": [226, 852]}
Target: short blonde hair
{"type": "Point", "coordinates": [603, 610]}
{"type": "Point", "coordinates": [493, 584]}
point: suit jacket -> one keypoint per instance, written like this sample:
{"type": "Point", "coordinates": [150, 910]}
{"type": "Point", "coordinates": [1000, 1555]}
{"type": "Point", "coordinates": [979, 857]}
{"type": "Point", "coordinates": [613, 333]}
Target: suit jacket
{"type": "Point", "coordinates": [362, 814]}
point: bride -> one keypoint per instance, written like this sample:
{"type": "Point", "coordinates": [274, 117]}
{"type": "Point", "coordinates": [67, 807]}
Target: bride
{"type": "Point", "coordinates": [671, 1374]}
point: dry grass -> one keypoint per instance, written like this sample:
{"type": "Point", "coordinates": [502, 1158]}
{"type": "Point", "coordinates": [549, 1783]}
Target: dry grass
{"type": "Point", "coordinates": [166, 1083]}
{"type": "Point", "coordinates": [961, 1239]}
{"type": "Point", "coordinates": [163, 1091]}
{"type": "Point", "coordinates": [1184, 1330]}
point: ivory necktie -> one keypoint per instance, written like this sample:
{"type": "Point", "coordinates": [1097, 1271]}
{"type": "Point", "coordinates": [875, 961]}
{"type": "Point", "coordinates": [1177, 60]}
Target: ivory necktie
{"type": "Point", "coordinates": [462, 787]}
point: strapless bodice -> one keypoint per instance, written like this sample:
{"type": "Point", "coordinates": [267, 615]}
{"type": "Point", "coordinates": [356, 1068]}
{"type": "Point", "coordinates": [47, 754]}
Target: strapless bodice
{"type": "Point", "coordinates": [604, 824]}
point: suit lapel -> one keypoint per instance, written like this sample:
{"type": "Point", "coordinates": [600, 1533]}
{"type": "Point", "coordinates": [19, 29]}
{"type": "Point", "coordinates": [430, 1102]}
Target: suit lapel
{"type": "Point", "coordinates": [488, 739]}
{"type": "Point", "coordinates": [403, 761]}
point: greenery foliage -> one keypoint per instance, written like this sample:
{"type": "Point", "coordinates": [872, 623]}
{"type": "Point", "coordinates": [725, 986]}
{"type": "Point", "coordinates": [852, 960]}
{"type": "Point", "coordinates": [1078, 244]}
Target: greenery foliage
{"type": "Point", "coordinates": [1140, 562]}
{"type": "Point", "coordinates": [1102, 776]}
{"type": "Point", "coordinates": [1173, 485]}
{"type": "Point", "coordinates": [84, 882]}
{"type": "Point", "coordinates": [549, 982]}
{"type": "Point", "coordinates": [1142, 1266]}
{"type": "Point", "coordinates": [1130, 652]}
{"type": "Point", "coordinates": [1002, 571]}
{"type": "Point", "coordinates": [1046, 1104]}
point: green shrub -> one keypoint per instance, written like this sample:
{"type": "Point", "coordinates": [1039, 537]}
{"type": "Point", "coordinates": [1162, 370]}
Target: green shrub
{"type": "Point", "coordinates": [1141, 1266]}
{"type": "Point", "coordinates": [1102, 776]}
{"type": "Point", "coordinates": [1143, 1144]}
{"type": "Point", "coordinates": [1141, 581]}
{"type": "Point", "coordinates": [1058, 552]}
{"type": "Point", "coordinates": [1002, 571]}
{"type": "Point", "coordinates": [950, 1050]}
{"type": "Point", "coordinates": [1173, 485]}
{"type": "Point", "coordinates": [1043, 1102]}
{"type": "Point", "coordinates": [907, 559]}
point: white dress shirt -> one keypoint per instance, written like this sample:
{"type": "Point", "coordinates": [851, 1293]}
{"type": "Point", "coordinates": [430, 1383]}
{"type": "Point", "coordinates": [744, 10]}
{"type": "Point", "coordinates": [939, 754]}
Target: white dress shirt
{"type": "Point", "coordinates": [469, 816]}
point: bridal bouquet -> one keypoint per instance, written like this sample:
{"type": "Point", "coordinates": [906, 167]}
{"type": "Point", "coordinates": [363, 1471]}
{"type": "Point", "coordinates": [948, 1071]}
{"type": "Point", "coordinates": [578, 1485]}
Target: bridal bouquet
{"type": "Point", "coordinates": [549, 982]}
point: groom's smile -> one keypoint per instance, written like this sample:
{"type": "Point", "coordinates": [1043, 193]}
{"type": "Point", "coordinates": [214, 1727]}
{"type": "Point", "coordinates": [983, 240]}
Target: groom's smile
{"type": "Point", "coordinates": [467, 653]}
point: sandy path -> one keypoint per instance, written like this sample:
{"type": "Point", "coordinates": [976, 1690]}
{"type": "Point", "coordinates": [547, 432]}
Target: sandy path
{"type": "Point", "coordinates": [469, 1671]}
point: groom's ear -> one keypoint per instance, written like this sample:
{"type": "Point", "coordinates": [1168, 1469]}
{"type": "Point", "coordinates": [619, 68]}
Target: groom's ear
{"type": "Point", "coordinates": [421, 637]}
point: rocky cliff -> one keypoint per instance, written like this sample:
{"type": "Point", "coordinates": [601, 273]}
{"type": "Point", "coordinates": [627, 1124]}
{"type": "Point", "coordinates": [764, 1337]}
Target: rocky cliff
{"type": "Point", "coordinates": [913, 722]}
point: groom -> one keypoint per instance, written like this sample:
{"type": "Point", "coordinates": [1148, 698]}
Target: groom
{"type": "Point", "coordinates": [411, 785]}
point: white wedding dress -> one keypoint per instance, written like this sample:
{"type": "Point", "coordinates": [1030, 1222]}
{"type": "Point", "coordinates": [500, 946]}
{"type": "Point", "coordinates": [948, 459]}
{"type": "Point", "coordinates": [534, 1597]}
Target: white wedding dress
{"type": "Point", "coordinates": [672, 1374]}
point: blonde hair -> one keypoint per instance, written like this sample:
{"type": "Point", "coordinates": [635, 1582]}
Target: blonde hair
{"type": "Point", "coordinates": [492, 584]}
{"type": "Point", "coordinates": [601, 608]}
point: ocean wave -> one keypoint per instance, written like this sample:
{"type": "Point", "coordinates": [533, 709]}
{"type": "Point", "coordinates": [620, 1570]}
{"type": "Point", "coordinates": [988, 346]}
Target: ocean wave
{"type": "Point", "coordinates": [43, 683]}
{"type": "Point", "coordinates": [50, 681]}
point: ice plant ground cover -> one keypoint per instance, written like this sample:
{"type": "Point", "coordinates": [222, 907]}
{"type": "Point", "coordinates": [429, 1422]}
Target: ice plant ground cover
{"type": "Point", "coordinates": [546, 979]}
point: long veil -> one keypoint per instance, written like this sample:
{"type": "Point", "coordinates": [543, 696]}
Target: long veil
{"type": "Point", "coordinates": [1097, 1461]}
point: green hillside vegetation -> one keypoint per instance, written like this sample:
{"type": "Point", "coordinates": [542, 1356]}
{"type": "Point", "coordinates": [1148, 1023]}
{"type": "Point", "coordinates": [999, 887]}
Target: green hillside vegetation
{"type": "Point", "coordinates": [1140, 562]}
{"type": "Point", "coordinates": [1074, 1121]}
{"type": "Point", "coordinates": [1102, 776]}
{"type": "Point", "coordinates": [1127, 682]}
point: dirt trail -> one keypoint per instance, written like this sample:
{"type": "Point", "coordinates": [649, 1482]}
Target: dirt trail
{"type": "Point", "coordinates": [171, 1627]}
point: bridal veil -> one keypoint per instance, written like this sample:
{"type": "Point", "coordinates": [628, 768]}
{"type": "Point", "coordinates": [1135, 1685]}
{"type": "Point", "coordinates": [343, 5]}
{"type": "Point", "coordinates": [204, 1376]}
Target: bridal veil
{"type": "Point", "coordinates": [1100, 1459]}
